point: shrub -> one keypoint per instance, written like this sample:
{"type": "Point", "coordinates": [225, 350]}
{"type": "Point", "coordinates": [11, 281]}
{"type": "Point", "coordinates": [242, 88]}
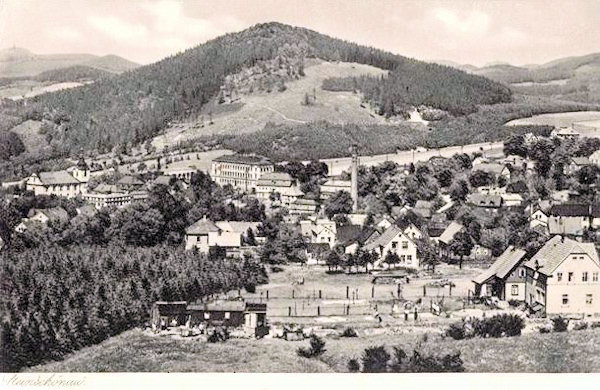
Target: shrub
{"type": "Point", "coordinates": [580, 325]}
{"type": "Point", "coordinates": [349, 332]}
{"type": "Point", "coordinates": [595, 325]}
{"type": "Point", "coordinates": [375, 359]}
{"type": "Point", "coordinates": [353, 365]}
{"type": "Point", "coordinates": [275, 269]}
{"type": "Point", "coordinates": [560, 324]}
{"type": "Point", "coordinates": [545, 329]}
{"type": "Point", "coordinates": [432, 363]}
{"type": "Point", "coordinates": [218, 335]}
{"type": "Point", "coordinates": [317, 348]}
{"type": "Point", "coordinates": [456, 331]}
{"type": "Point", "coordinates": [502, 325]}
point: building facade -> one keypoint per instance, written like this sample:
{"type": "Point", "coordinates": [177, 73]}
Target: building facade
{"type": "Point", "coordinates": [240, 171]}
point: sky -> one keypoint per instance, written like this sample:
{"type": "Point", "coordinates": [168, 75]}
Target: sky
{"type": "Point", "coordinates": [474, 32]}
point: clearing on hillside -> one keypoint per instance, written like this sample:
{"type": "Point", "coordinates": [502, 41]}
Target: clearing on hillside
{"type": "Point", "coordinates": [251, 112]}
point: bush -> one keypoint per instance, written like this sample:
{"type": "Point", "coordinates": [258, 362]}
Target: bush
{"type": "Point", "coordinates": [545, 329]}
{"type": "Point", "coordinates": [275, 269]}
{"type": "Point", "coordinates": [595, 325]}
{"type": "Point", "coordinates": [317, 348]}
{"type": "Point", "coordinates": [456, 331]}
{"type": "Point", "coordinates": [353, 365]}
{"type": "Point", "coordinates": [502, 325]}
{"type": "Point", "coordinates": [560, 324]}
{"type": "Point", "coordinates": [349, 332]}
{"type": "Point", "coordinates": [580, 325]}
{"type": "Point", "coordinates": [218, 335]}
{"type": "Point", "coordinates": [375, 359]}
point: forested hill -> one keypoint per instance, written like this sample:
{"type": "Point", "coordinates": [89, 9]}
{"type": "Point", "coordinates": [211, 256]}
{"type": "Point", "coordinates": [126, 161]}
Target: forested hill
{"type": "Point", "coordinates": [134, 106]}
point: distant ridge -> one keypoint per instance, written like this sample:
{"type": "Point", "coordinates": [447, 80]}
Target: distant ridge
{"type": "Point", "coordinates": [20, 62]}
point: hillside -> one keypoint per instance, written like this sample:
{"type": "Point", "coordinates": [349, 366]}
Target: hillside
{"type": "Point", "coordinates": [570, 78]}
{"type": "Point", "coordinates": [21, 63]}
{"type": "Point", "coordinates": [136, 105]}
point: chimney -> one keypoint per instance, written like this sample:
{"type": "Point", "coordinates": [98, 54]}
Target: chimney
{"type": "Point", "coordinates": [354, 187]}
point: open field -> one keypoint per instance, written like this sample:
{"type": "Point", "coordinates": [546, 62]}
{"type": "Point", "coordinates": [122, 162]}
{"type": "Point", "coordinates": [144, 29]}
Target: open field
{"type": "Point", "coordinates": [137, 350]}
{"type": "Point", "coordinates": [253, 111]}
{"type": "Point", "coordinates": [562, 119]}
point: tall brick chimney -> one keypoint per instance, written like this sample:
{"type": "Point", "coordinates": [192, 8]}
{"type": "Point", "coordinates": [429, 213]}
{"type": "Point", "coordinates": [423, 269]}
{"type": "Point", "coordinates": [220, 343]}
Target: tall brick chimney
{"type": "Point", "coordinates": [354, 188]}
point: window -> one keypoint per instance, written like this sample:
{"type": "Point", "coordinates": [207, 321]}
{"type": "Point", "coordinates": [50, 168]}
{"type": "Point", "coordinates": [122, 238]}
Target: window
{"type": "Point", "coordinates": [402, 258]}
{"type": "Point", "coordinates": [394, 245]}
{"type": "Point", "coordinates": [206, 316]}
{"type": "Point", "coordinates": [565, 299]}
{"type": "Point", "coordinates": [570, 276]}
{"type": "Point", "coordinates": [559, 276]}
{"type": "Point", "coordinates": [227, 315]}
{"type": "Point", "coordinates": [404, 244]}
{"type": "Point", "coordinates": [514, 289]}
{"type": "Point", "coordinates": [588, 299]}
{"type": "Point", "coordinates": [409, 258]}
{"type": "Point", "coordinates": [595, 277]}
{"type": "Point", "coordinates": [584, 277]}
{"type": "Point", "coordinates": [521, 273]}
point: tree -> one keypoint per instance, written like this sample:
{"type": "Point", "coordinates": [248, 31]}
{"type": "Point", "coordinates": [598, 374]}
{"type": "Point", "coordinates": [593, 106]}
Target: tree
{"type": "Point", "coordinates": [333, 260]}
{"type": "Point", "coordinates": [541, 153]}
{"type": "Point", "coordinates": [481, 178]}
{"type": "Point", "coordinates": [459, 191]}
{"type": "Point", "coordinates": [391, 259]}
{"type": "Point", "coordinates": [250, 239]}
{"type": "Point", "coordinates": [515, 144]}
{"type": "Point", "coordinates": [587, 175]}
{"type": "Point", "coordinates": [338, 203]}
{"type": "Point", "coordinates": [427, 252]}
{"type": "Point", "coordinates": [461, 246]}
{"type": "Point", "coordinates": [444, 177]}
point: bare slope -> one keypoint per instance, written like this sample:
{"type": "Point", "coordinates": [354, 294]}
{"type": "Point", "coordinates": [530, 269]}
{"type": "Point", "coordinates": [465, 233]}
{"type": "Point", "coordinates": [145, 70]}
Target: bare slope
{"type": "Point", "coordinates": [252, 111]}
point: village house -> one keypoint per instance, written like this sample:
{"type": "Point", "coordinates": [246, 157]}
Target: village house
{"type": "Point", "coordinates": [562, 278]}
{"type": "Point", "coordinates": [251, 317]}
{"type": "Point", "coordinates": [576, 163]}
{"type": "Point", "coordinates": [505, 279]}
{"type": "Point", "coordinates": [511, 200]}
{"type": "Point", "coordinates": [446, 237]}
{"type": "Point", "coordinates": [517, 187]}
{"type": "Point", "coordinates": [563, 196]}
{"type": "Point", "coordinates": [303, 206]}
{"type": "Point", "coordinates": [319, 231]}
{"type": "Point", "coordinates": [67, 183]}
{"type": "Point", "coordinates": [486, 201]}
{"type": "Point", "coordinates": [393, 240]}
{"type": "Point", "coordinates": [241, 227]}
{"type": "Point", "coordinates": [107, 195]}
{"type": "Point", "coordinates": [351, 243]}
{"type": "Point", "coordinates": [47, 216]}
{"type": "Point", "coordinates": [423, 208]}
{"type": "Point", "coordinates": [480, 253]}
{"type": "Point", "coordinates": [595, 158]}
{"type": "Point", "coordinates": [564, 133]}
{"type": "Point", "coordinates": [240, 171]}
{"type": "Point", "coordinates": [383, 222]}
{"type": "Point", "coordinates": [129, 183]}
{"type": "Point", "coordinates": [573, 218]}
{"type": "Point", "coordinates": [278, 186]}
{"type": "Point", "coordinates": [181, 173]}
{"type": "Point", "coordinates": [539, 215]}
{"type": "Point", "coordinates": [332, 186]}
{"type": "Point", "coordinates": [491, 190]}
{"type": "Point", "coordinates": [496, 170]}
{"type": "Point", "coordinates": [205, 234]}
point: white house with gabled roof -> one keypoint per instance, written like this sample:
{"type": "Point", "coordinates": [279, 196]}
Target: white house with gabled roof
{"type": "Point", "coordinates": [394, 240]}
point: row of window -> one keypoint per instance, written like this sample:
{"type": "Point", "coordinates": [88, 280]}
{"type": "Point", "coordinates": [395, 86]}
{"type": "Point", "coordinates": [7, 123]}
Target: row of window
{"type": "Point", "coordinates": [570, 276]}
{"type": "Point", "coordinates": [395, 244]}
{"type": "Point", "coordinates": [588, 299]}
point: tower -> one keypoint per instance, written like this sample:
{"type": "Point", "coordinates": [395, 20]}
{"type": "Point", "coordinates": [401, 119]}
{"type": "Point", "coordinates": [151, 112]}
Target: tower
{"type": "Point", "coordinates": [354, 178]}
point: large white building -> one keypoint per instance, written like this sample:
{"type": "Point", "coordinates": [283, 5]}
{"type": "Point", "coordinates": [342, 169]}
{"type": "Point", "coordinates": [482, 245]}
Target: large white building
{"type": "Point", "coordinates": [240, 171]}
{"type": "Point", "coordinates": [67, 183]}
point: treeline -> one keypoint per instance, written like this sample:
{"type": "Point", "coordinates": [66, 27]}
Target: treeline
{"type": "Point", "coordinates": [413, 83]}
{"type": "Point", "coordinates": [136, 105]}
{"type": "Point", "coordinates": [55, 300]}
{"type": "Point", "coordinates": [322, 139]}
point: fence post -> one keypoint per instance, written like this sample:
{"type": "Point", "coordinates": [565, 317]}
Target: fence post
{"type": "Point", "coordinates": [450, 292]}
{"type": "Point", "coordinates": [319, 294]}
{"type": "Point", "coordinates": [347, 292]}
{"type": "Point", "coordinates": [318, 311]}
{"type": "Point", "coordinates": [373, 292]}
{"type": "Point", "coordinates": [424, 290]}
{"type": "Point", "coordinates": [293, 294]}
{"type": "Point", "coordinates": [267, 295]}
{"type": "Point", "coordinates": [289, 311]}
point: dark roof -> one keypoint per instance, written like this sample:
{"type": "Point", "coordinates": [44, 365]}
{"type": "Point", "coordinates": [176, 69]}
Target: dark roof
{"type": "Point", "coordinates": [53, 214]}
{"type": "Point", "coordinates": [203, 226]}
{"type": "Point", "coordinates": [503, 265]}
{"type": "Point", "coordinates": [171, 308]}
{"type": "Point", "coordinates": [435, 232]}
{"type": "Point", "coordinates": [218, 306]}
{"type": "Point", "coordinates": [575, 210]}
{"type": "Point", "coordinates": [243, 159]}
{"type": "Point", "coordinates": [346, 234]}
{"type": "Point", "coordinates": [130, 181]}
{"type": "Point", "coordinates": [57, 177]}
{"type": "Point", "coordinates": [484, 200]}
